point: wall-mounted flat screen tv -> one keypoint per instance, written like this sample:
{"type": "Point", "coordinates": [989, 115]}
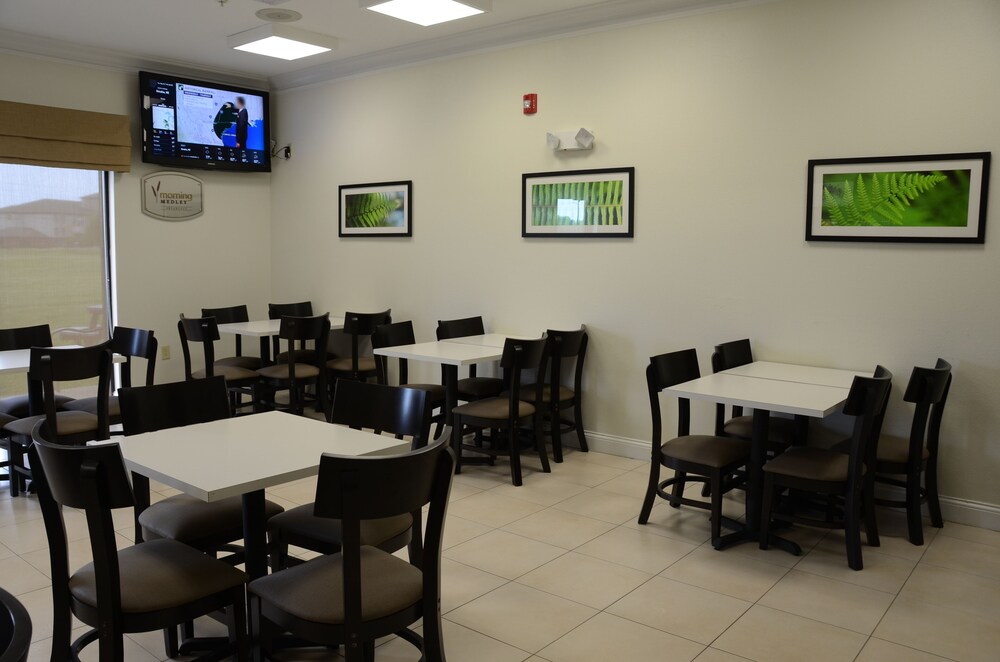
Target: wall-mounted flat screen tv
{"type": "Point", "coordinates": [193, 124]}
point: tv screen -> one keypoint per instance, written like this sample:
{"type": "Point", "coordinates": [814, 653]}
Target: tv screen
{"type": "Point", "coordinates": [192, 124]}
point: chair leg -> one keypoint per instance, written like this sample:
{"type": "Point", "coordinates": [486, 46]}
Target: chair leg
{"type": "Point", "coordinates": [647, 502]}
{"type": "Point", "coordinates": [237, 618]}
{"type": "Point", "coordinates": [433, 637]}
{"type": "Point", "coordinates": [716, 523]}
{"type": "Point", "coordinates": [931, 492]}
{"type": "Point", "coordinates": [170, 641]}
{"type": "Point", "coordinates": [868, 504]}
{"type": "Point", "coordinates": [914, 524]}
{"type": "Point", "coordinates": [260, 642]}
{"type": "Point", "coordinates": [515, 455]}
{"type": "Point", "coordinates": [678, 491]}
{"type": "Point", "coordinates": [540, 443]}
{"type": "Point", "coordinates": [456, 442]}
{"type": "Point", "coordinates": [767, 503]}
{"type": "Point", "coordinates": [279, 552]}
{"type": "Point", "coordinates": [15, 458]}
{"type": "Point", "coordinates": [852, 529]}
{"type": "Point", "coordinates": [556, 426]}
{"type": "Point", "coordinates": [578, 423]}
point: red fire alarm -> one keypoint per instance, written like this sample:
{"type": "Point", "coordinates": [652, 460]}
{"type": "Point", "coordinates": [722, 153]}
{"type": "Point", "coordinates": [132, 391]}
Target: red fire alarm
{"type": "Point", "coordinates": [530, 104]}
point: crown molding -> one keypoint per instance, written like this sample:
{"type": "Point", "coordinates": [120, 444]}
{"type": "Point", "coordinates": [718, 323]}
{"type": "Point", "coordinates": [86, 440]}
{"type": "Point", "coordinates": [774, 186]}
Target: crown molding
{"type": "Point", "coordinates": [28, 45]}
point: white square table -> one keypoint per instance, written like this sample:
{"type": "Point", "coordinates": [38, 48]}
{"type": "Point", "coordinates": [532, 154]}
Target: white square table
{"type": "Point", "coordinates": [241, 457]}
{"type": "Point", "coordinates": [803, 391]}
{"type": "Point", "coordinates": [264, 330]}
{"type": "Point", "coordinates": [13, 361]}
{"type": "Point", "coordinates": [486, 339]}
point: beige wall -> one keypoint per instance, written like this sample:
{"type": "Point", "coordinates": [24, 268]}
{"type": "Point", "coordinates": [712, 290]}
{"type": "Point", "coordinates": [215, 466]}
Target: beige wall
{"type": "Point", "coordinates": [719, 113]}
{"type": "Point", "coordinates": [221, 258]}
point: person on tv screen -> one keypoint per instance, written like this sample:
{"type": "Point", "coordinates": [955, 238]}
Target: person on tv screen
{"type": "Point", "coordinates": [242, 122]}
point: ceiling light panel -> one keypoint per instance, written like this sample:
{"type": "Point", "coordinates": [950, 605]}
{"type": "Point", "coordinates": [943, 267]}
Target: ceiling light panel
{"type": "Point", "coordinates": [428, 12]}
{"type": "Point", "coordinates": [282, 41]}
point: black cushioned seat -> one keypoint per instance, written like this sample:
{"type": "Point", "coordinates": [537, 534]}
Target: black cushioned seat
{"type": "Point", "coordinates": [780, 430]}
{"type": "Point", "coordinates": [89, 405]}
{"type": "Point", "coordinates": [708, 450]}
{"type": "Point", "coordinates": [811, 464]}
{"type": "Point", "coordinates": [194, 522]}
{"type": "Point", "coordinates": [282, 371]}
{"type": "Point", "coordinates": [17, 405]}
{"type": "Point", "coordinates": [160, 574]}
{"type": "Point", "coordinates": [301, 522]}
{"type": "Point", "coordinates": [300, 355]}
{"type": "Point", "coordinates": [494, 408]}
{"type": "Point", "coordinates": [5, 419]}
{"type": "Point", "coordinates": [68, 423]}
{"type": "Point", "coordinates": [528, 393]}
{"type": "Point", "coordinates": [231, 373]}
{"type": "Point", "coordinates": [365, 364]}
{"type": "Point", "coordinates": [314, 591]}
{"type": "Point", "coordinates": [245, 362]}
{"type": "Point", "coordinates": [473, 388]}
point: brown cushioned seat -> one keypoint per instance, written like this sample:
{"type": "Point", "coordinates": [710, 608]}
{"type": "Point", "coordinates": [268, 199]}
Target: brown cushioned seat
{"type": "Point", "coordinates": [301, 521]}
{"type": "Point", "coordinates": [435, 392]}
{"type": "Point", "coordinates": [282, 371]}
{"type": "Point", "coordinates": [811, 464]}
{"type": "Point", "coordinates": [494, 408]}
{"type": "Point", "coordinates": [160, 574]}
{"type": "Point", "coordinates": [17, 405]}
{"type": "Point", "coordinates": [780, 430]}
{"type": "Point", "coordinates": [708, 450]}
{"type": "Point", "coordinates": [89, 405]}
{"type": "Point", "coordinates": [191, 520]}
{"type": "Point", "coordinates": [528, 393]}
{"type": "Point", "coordinates": [365, 364]}
{"type": "Point", "coordinates": [314, 591]}
{"type": "Point", "coordinates": [306, 355]}
{"type": "Point", "coordinates": [67, 422]}
{"type": "Point", "coordinates": [473, 388]}
{"type": "Point", "coordinates": [230, 372]}
{"type": "Point", "coordinates": [896, 449]}
{"type": "Point", "coordinates": [245, 362]}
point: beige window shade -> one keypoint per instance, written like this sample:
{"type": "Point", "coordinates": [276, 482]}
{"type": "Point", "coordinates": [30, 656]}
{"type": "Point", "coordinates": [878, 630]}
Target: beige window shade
{"type": "Point", "coordinates": [64, 138]}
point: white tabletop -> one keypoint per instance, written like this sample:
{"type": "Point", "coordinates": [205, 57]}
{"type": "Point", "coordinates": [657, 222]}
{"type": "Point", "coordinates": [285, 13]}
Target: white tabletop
{"type": "Point", "coordinates": [266, 328]}
{"type": "Point", "coordinates": [771, 394]}
{"type": "Point", "coordinates": [802, 374]}
{"type": "Point", "coordinates": [19, 360]}
{"type": "Point", "coordinates": [444, 352]}
{"type": "Point", "coordinates": [487, 339]}
{"type": "Point", "coordinates": [221, 459]}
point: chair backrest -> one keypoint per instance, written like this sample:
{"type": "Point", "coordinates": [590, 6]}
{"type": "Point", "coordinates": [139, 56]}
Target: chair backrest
{"type": "Point", "coordinates": [94, 479]}
{"type": "Point", "coordinates": [353, 489]}
{"type": "Point", "coordinates": [68, 364]}
{"type": "Point", "coordinates": [276, 311]}
{"type": "Point", "coordinates": [381, 408]}
{"type": "Point", "coordinates": [467, 326]}
{"type": "Point", "coordinates": [392, 335]}
{"type": "Point", "coordinates": [15, 629]}
{"type": "Point", "coordinates": [229, 315]}
{"type": "Point", "coordinates": [201, 330]}
{"type": "Point", "coordinates": [928, 389]}
{"type": "Point", "coordinates": [132, 343]}
{"type": "Point", "coordinates": [729, 355]}
{"type": "Point", "coordinates": [163, 406]}
{"type": "Point", "coordinates": [560, 346]}
{"type": "Point", "coordinates": [303, 329]}
{"type": "Point", "coordinates": [519, 356]}
{"type": "Point", "coordinates": [25, 337]}
{"type": "Point", "coordinates": [357, 325]}
{"type": "Point", "coordinates": [866, 402]}
{"type": "Point", "coordinates": [667, 370]}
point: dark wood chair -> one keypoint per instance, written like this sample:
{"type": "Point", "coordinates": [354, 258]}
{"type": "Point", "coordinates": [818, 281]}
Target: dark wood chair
{"type": "Point", "coordinates": [50, 365]}
{"type": "Point", "coordinates": [233, 315]}
{"type": "Point", "coordinates": [356, 366]}
{"type": "Point", "coordinates": [276, 311]}
{"type": "Point", "coordinates": [382, 409]}
{"type": "Point", "coordinates": [15, 629]}
{"type": "Point", "coordinates": [129, 343]}
{"type": "Point", "coordinates": [150, 586]}
{"type": "Point", "coordinates": [363, 593]}
{"type": "Point", "coordinates": [401, 333]}
{"type": "Point", "coordinates": [204, 331]}
{"type": "Point", "coordinates": [833, 474]}
{"type": "Point", "coordinates": [25, 337]}
{"type": "Point", "coordinates": [706, 459]}
{"type": "Point", "coordinates": [472, 387]}
{"type": "Point", "coordinates": [917, 454]}
{"type": "Point", "coordinates": [561, 347]}
{"type": "Point", "coordinates": [506, 412]}
{"type": "Point", "coordinates": [781, 431]}
{"type": "Point", "coordinates": [306, 367]}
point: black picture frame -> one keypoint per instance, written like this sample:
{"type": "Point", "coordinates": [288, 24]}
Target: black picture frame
{"type": "Point", "coordinates": [381, 196]}
{"type": "Point", "coordinates": [889, 198]}
{"type": "Point", "coordinates": [574, 216]}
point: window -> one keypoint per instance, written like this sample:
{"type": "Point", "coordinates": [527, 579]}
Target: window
{"type": "Point", "coordinates": [54, 255]}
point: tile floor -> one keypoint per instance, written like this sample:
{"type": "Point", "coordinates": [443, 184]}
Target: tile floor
{"type": "Point", "coordinates": [559, 570]}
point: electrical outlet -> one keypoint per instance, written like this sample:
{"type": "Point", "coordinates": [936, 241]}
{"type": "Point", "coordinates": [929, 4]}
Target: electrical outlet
{"type": "Point", "coordinates": [165, 352]}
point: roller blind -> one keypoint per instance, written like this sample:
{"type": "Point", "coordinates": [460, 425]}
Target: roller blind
{"type": "Point", "coordinates": [63, 138]}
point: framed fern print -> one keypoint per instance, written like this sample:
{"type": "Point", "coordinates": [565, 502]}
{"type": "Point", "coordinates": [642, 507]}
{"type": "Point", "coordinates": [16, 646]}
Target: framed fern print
{"type": "Point", "coordinates": [376, 210]}
{"type": "Point", "coordinates": [933, 198]}
{"type": "Point", "coordinates": [578, 203]}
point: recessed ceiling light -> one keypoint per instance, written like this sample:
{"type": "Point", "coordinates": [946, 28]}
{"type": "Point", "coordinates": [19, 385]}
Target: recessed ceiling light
{"type": "Point", "coordinates": [428, 12]}
{"type": "Point", "coordinates": [282, 41]}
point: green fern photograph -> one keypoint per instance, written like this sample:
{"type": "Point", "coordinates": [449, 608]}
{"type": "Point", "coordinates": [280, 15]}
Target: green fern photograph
{"type": "Point", "coordinates": [376, 209]}
{"type": "Point", "coordinates": [584, 202]}
{"type": "Point", "coordinates": [933, 198]}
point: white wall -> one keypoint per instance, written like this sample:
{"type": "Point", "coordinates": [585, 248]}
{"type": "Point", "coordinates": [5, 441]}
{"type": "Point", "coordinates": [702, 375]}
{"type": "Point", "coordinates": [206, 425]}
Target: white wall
{"type": "Point", "coordinates": [719, 113]}
{"type": "Point", "coordinates": [221, 258]}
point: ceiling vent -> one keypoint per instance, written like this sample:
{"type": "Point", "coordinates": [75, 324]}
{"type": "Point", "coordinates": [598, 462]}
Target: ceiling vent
{"type": "Point", "coordinates": [275, 15]}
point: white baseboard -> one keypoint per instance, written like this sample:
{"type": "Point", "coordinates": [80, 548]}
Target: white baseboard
{"type": "Point", "coordinates": [953, 509]}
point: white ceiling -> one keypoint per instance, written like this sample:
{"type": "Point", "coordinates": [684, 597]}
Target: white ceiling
{"type": "Point", "coordinates": [191, 34]}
